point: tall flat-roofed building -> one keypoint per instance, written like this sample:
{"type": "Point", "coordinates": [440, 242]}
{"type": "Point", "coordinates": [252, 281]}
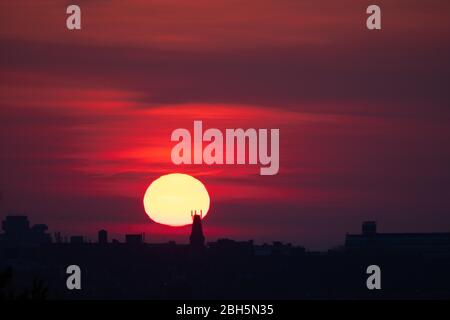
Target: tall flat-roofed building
{"type": "Point", "coordinates": [427, 243]}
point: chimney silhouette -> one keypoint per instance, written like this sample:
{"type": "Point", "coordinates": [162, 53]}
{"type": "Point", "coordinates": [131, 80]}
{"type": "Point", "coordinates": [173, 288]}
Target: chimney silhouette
{"type": "Point", "coordinates": [197, 238]}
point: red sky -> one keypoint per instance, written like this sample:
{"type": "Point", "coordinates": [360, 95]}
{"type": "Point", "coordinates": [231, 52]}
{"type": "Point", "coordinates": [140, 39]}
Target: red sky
{"type": "Point", "coordinates": [86, 116]}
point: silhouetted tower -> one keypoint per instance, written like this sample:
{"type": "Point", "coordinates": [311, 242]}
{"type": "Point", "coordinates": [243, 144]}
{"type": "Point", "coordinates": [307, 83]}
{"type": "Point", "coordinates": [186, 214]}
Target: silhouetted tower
{"type": "Point", "coordinates": [103, 237]}
{"type": "Point", "coordinates": [197, 238]}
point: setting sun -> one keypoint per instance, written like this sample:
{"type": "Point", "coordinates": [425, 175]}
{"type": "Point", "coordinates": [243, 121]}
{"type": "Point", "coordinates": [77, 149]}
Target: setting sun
{"type": "Point", "coordinates": [170, 199]}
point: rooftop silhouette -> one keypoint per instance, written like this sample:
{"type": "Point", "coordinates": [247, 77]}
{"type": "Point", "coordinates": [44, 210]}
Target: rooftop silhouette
{"type": "Point", "coordinates": [428, 243]}
{"type": "Point", "coordinates": [416, 265]}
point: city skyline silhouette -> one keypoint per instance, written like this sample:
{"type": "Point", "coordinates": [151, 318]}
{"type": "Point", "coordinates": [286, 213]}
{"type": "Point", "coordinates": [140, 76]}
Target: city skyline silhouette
{"type": "Point", "coordinates": [207, 270]}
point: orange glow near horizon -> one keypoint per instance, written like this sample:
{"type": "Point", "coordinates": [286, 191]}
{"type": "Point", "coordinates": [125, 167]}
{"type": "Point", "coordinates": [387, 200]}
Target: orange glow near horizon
{"type": "Point", "coordinates": [170, 199]}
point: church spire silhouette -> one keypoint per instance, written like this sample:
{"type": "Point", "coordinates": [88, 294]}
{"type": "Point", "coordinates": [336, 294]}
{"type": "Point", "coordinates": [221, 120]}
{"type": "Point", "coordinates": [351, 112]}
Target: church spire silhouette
{"type": "Point", "coordinates": [197, 239]}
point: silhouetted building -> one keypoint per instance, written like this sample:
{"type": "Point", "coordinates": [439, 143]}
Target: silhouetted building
{"type": "Point", "coordinates": [278, 248]}
{"type": "Point", "coordinates": [103, 237]}
{"type": "Point", "coordinates": [134, 239]}
{"type": "Point", "coordinates": [39, 234]}
{"type": "Point", "coordinates": [76, 239]}
{"type": "Point", "coordinates": [18, 232]}
{"type": "Point", "coordinates": [231, 247]}
{"type": "Point", "coordinates": [197, 239]}
{"type": "Point", "coordinates": [428, 243]}
{"type": "Point", "coordinates": [16, 225]}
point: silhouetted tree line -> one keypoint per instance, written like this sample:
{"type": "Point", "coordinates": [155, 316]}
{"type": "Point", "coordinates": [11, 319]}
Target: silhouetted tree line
{"type": "Point", "coordinates": [38, 290]}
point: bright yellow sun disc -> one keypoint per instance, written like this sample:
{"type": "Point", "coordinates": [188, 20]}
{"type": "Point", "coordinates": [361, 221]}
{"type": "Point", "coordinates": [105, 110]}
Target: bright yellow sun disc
{"type": "Point", "coordinates": [170, 199]}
